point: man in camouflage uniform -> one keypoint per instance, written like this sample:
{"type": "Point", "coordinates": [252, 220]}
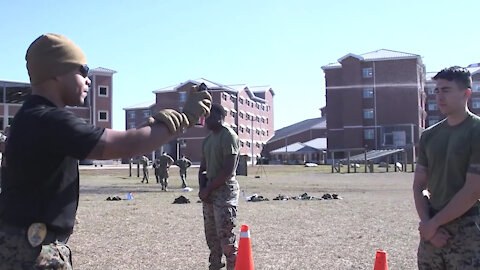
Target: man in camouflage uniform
{"type": "Point", "coordinates": [183, 164]}
{"type": "Point", "coordinates": [144, 161]}
{"type": "Point", "coordinates": [219, 190]}
{"type": "Point", "coordinates": [161, 165]}
{"type": "Point", "coordinates": [448, 167]}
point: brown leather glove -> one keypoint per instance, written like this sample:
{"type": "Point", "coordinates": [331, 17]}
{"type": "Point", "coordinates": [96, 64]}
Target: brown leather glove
{"type": "Point", "coordinates": [175, 121]}
{"type": "Point", "coordinates": [197, 105]}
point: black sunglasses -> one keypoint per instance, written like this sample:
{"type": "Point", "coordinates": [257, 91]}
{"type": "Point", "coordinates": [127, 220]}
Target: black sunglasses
{"type": "Point", "coordinates": [84, 70]}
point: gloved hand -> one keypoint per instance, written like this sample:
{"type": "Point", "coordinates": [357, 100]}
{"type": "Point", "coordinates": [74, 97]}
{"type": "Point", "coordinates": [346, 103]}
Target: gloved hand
{"type": "Point", "coordinates": [174, 120]}
{"type": "Point", "coordinates": [198, 104]}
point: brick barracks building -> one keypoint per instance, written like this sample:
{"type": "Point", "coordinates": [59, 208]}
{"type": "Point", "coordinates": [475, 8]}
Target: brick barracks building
{"type": "Point", "coordinates": [375, 100]}
{"type": "Point", "coordinates": [97, 109]}
{"type": "Point", "coordinates": [249, 113]}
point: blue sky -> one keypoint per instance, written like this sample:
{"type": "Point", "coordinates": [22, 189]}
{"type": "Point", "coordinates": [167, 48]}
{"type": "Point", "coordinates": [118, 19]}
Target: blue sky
{"type": "Point", "coordinates": [153, 44]}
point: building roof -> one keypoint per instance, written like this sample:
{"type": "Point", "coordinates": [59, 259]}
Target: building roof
{"type": "Point", "coordinates": [102, 70]}
{"type": "Point", "coordinates": [318, 143]}
{"type": "Point", "coordinates": [6, 83]}
{"type": "Point", "coordinates": [218, 86]}
{"type": "Point", "coordinates": [314, 123]}
{"type": "Point", "coordinates": [143, 105]}
{"type": "Point", "coordinates": [378, 55]}
{"type": "Point", "coordinates": [311, 146]}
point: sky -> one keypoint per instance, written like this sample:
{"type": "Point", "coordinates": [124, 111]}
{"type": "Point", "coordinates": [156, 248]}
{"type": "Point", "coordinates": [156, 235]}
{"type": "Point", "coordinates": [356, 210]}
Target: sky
{"type": "Point", "coordinates": [153, 44]}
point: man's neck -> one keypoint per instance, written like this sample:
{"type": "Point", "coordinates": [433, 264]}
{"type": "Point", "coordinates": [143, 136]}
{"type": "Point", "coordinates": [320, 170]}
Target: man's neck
{"type": "Point", "coordinates": [49, 92]}
{"type": "Point", "coordinates": [457, 117]}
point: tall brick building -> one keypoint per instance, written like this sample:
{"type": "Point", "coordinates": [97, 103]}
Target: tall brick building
{"type": "Point", "coordinates": [249, 113]}
{"type": "Point", "coordinates": [97, 109]}
{"type": "Point", "coordinates": [375, 100]}
{"type": "Point", "coordinates": [433, 114]}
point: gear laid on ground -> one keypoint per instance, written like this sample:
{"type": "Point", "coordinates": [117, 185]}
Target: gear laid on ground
{"type": "Point", "coordinates": [181, 199]}
{"type": "Point", "coordinates": [281, 197]}
{"type": "Point", "coordinates": [256, 198]}
{"type": "Point", "coordinates": [116, 198]}
{"type": "Point", "coordinates": [305, 196]}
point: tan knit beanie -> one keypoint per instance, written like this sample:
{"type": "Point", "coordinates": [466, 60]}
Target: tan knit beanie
{"type": "Point", "coordinates": [52, 55]}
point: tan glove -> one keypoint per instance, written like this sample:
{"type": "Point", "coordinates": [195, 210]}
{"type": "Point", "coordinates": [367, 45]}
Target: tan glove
{"type": "Point", "coordinates": [197, 105]}
{"type": "Point", "coordinates": [175, 121]}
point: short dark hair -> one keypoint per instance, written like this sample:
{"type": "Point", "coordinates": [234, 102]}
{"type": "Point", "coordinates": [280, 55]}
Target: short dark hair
{"type": "Point", "coordinates": [218, 109]}
{"type": "Point", "coordinates": [461, 76]}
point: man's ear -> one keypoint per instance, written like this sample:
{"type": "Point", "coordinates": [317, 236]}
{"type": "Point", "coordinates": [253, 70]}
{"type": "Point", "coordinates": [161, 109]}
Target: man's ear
{"type": "Point", "coordinates": [468, 93]}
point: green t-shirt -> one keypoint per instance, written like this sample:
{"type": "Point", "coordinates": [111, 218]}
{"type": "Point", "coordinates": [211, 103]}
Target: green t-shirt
{"type": "Point", "coordinates": [447, 152]}
{"type": "Point", "coordinates": [216, 146]}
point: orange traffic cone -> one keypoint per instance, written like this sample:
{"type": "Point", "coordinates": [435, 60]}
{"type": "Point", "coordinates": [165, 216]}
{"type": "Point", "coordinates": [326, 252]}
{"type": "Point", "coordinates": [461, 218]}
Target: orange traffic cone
{"type": "Point", "coordinates": [244, 255]}
{"type": "Point", "coordinates": [381, 260]}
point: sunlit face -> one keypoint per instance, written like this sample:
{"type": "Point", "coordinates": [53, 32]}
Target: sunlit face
{"type": "Point", "coordinates": [450, 97]}
{"type": "Point", "coordinates": [74, 86]}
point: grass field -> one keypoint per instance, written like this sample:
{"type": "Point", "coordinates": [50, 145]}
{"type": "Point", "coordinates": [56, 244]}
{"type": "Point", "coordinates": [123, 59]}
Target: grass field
{"type": "Point", "coordinates": [149, 232]}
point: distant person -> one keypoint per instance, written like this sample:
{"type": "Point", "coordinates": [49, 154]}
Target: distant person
{"type": "Point", "coordinates": [162, 166]}
{"type": "Point", "coordinates": [448, 167]}
{"type": "Point", "coordinates": [38, 203]}
{"type": "Point", "coordinates": [219, 190]}
{"type": "Point", "coordinates": [183, 164]}
{"type": "Point", "coordinates": [144, 161]}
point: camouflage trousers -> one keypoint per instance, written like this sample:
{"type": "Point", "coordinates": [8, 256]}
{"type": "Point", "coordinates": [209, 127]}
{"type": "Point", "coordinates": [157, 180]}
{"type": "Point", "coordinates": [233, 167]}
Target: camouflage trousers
{"type": "Point", "coordinates": [145, 175]}
{"type": "Point", "coordinates": [17, 253]}
{"type": "Point", "coordinates": [219, 221]}
{"type": "Point", "coordinates": [462, 251]}
{"type": "Point", "coordinates": [183, 176]}
{"type": "Point", "coordinates": [162, 178]}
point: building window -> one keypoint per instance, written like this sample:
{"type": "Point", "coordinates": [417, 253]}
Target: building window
{"type": "Point", "coordinates": [103, 91]}
{"type": "Point", "coordinates": [240, 100]}
{"type": "Point", "coordinates": [368, 113]}
{"type": "Point", "coordinates": [432, 120]}
{"type": "Point", "coordinates": [257, 144]}
{"type": "Point", "coordinates": [432, 105]}
{"type": "Point", "coordinates": [248, 144]}
{"type": "Point", "coordinates": [182, 96]}
{"type": "Point", "coordinates": [476, 87]}
{"type": "Point", "coordinates": [263, 132]}
{"type": "Point", "coordinates": [367, 73]}
{"type": "Point", "coordinates": [248, 102]}
{"type": "Point", "coordinates": [248, 116]}
{"type": "Point", "coordinates": [476, 103]}
{"type": "Point", "coordinates": [240, 114]}
{"type": "Point", "coordinates": [266, 120]}
{"type": "Point", "coordinates": [241, 143]}
{"type": "Point", "coordinates": [257, 105]}
{"type": "Point", "coordinates": [368, 134]}
{"type": "Point", "coordinates": [132, 125]}
{"type": "Point", "coordinates": [263, 120]}
{"type": "Point", "coordinates": [257, 118]}
{"type": "Point", "coordinates": [146, 113]}
{"type": "Point", "coordinates": [232, 113]}
{"type": "Point", "coordinates": [368, 92]}
{"type": "Point", "coordinates": [267, 132]}
{"type": "Point", "coordinates": [131, 114]}
{"type": "Point", "coordinates": [248, 130]}
{"type": "Point", "coordinates": [224, 96]}
{"type": "Point", "coordinates": [241, 129]}
{"type": "Point", "coordinates": [103, 116]}
{"type": "Point", "coordinates": [268, 108]}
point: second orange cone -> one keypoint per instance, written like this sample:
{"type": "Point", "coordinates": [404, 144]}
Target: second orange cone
{"type": "Point", "coordinates": [381, 260]}
{"type": "Point", "coordinates": [244, 255]}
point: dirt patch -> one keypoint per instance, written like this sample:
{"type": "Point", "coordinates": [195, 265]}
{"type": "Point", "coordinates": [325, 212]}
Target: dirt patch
{"type": "Point", "coordinates": [149, 232]}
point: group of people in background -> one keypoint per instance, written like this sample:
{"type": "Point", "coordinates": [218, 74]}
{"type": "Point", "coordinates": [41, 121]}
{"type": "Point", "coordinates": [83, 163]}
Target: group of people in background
{"type": "Point", "coordinates": [161, 167]}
